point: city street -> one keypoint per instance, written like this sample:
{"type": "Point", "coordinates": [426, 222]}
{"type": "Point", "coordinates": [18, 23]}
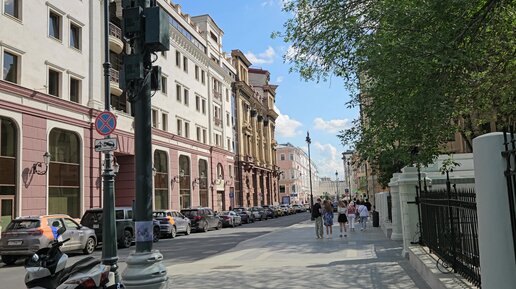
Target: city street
{"type": "Point", "coordinates": [182, 249]}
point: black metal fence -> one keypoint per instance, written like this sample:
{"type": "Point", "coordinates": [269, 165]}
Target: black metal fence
{"type": "Point", "coordinates": [510, 174]}
{"type": "Point", "coordinates": [450, 229]}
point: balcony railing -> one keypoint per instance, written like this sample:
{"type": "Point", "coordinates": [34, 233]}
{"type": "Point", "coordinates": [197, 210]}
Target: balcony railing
{"type": "Point", "coordinates": [115, 75]}
{"type": "Point", "coordinates": [218, 121]}
{"type": "Point", "coordinates": [217, 94]}
{"type": "Point", "coordinates": [115, 31]}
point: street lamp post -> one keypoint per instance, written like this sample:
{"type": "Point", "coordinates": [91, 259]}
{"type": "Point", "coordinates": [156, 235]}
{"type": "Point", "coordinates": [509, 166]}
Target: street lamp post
{"type": "Point", "coordinates": [337, 183]}
{"type": "Point", "coordinates": [308, 141]}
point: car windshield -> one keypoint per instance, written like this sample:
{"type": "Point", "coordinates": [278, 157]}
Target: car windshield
{"type": "Point", "coordinates": [190, 213]}
{"type": "Point", "coordinates": [159, 214]}
{"type": "Point", "coordinates": [22, 225]}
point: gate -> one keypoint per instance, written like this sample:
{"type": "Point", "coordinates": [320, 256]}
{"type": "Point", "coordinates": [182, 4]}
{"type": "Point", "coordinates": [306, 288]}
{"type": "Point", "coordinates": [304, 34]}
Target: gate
{"type": "Point", "coordinates": [509, 154]}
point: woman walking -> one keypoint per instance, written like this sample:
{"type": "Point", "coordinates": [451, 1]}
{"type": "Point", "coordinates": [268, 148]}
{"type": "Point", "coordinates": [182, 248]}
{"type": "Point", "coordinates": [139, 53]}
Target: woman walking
{"type": "Point", "coordinates": [352, 210]}
{"type": "Point", "coordinates": [328, 218]}
{"type": "Point", "coordinates": [342, 219]}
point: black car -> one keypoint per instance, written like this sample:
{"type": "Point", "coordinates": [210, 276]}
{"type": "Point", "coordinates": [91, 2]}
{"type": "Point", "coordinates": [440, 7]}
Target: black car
{"type": "Point", "coordinates": [202, 219]}
{"type": "Point", "coordinates": [245, 214]}
{"type": "Point", "coordinates": [92, 218]}
{"type": "Point", "coordinates": [259, 213]}
{"type": "Point", "coordinates": [271, 213]}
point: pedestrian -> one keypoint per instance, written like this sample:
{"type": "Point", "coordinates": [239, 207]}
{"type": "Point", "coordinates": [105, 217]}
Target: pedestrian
{"type": "Point", "coordinates": [368, 205]}
{"type": "Point", "coordinates": [364, 214]}
{"type": "Point", "coordinates": [328, 218]}
{"type": "Point", "coordinates": [342, 219]}
{"type": "Point", "coordinates": [352, 210]}
{"type": "Point", "coordinates": [317, 217]}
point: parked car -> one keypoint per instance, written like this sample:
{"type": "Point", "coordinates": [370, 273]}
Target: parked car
{"type": "Point", "coordinates": [25, 235]}
{"type": "Point", "coordinates": [279, 211]}
{"type": "Point", "coordinates": [259, 213]}
{"type": "Point", "coordinates": [271, 213]}
{"type": "Point", "coordinates": [202, 219]}
{"type": "Point", "coordinates": [245, 214]}
{"type": "Point", "coordinates": [286, 209]}
{"type": "Point", "coordinates": [230, 219]}
{"type": "Point", "coordinates": [172, 222]}
{"type": "Point", "coordinates": [299, 208]}
{"type": "Point", "coordinates": [124, 225]}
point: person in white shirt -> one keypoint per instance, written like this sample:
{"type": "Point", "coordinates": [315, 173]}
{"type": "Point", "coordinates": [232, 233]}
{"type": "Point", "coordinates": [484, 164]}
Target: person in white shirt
{"type": "Point", "coordinates": [352, 210]}
{"type": "Point", "coordinates": [342, 209]}
{"type": "Point", "coordinates": [364, 214]}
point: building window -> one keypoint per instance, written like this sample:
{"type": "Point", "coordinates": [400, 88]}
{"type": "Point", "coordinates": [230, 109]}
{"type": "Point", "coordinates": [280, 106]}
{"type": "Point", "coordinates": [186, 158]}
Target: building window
{"type": "Point", "coordinates": [179, 127]}
{"type": "Point", "coordinates": [8, 161]}
{"type": "Point", "coordinates": [178, 59]}
{"type": "Point", "coordinates": [186, 97]}
{"type": "Point", "coordinates": [12, 7]}
{"type": "Point", "coordinates": [204, 136]}
{"type": "Point", "coordinates": [227, 119]}
{"type": "Point", "coordinates": [10, 67]}
{"type": "Point", "coordinates": [229, 144]}
{"type": "Point", "coordinates": [75, 90]}
{"type": "Point", "coordinates": [164, 84]}
{"type": "Point", "coordinates": [203, 77]}
{"type": "Point", "coordinates": [203, 106]}
{"type": "Point", "coordinates": [164, 121]}
{"type": "Point", "coordinates": [64, 173]}
{"type": "Point", "coordinates": [196, 72]}
{"type": "Point", "coordinates": [75, 36]}
{"type": "Point", "coordinates": [198, 103]}
{"type": "Point", "coordinates": [187, 129]}
{"type": "Point", "coordinates": [198, 129]}
{"type": "Point", "coordinates": [161, 180]}
{"type": "Point", "coordinates": [185, 64]}
{"type": "Point", "coordinates": [291, 157]}
{"type": "Point", "coordinates": [154, 118]}
{"type": "Point", "coordinates": [184, 182]}
{"type": "Point", "coordinates": [282, 157]}
{"type": "Point", "coordinates": [119, 102]}
{"type": "Point", "coordinates": [282, 188]}
{"type": "Point", "coordinates": [178, 92]}
{"type": "Point", "coordinates": [54, 25]}
{"type": "Point", "coordinates": [227, 95]}
{"type": "Point", "coordinates": [203, 183]}
{"type": "Point", "coordinates": [54, 82]}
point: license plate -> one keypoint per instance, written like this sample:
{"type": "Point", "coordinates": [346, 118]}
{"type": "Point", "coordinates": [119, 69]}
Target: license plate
{"type": "Point", "coordinates": [14, 243]}
{"type": "Point", "coordinates": [95, 226]}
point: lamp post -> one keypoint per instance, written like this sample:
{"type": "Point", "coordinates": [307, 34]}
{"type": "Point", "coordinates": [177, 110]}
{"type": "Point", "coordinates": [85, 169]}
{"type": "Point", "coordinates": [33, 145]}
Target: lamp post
{"type": "Point", "coordinates": [308, 141]}
{"type": "Point", "coordinates": [337, 184]}
{"type": "Point", "coordinates": [345, 174]}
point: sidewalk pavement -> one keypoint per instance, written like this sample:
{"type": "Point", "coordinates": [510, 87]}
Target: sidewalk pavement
{"type": "Point", "coordinates": [293, 258]}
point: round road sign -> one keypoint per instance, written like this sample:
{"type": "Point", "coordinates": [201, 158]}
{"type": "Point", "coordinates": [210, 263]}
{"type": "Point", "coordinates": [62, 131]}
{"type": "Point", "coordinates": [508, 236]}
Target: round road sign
{"type": "Point", "coordinates": [105, 123]}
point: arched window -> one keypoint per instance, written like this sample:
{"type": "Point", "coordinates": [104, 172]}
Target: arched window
{"type": "Point", "coordinates": [8, 155]}
{"type": "Point", "coordinates": [184, 182]}
{"type": "Point", "coordinates": [203, 183]}
{"type": "Point", "coordinates": [64, 173]}
{"type": "Point", "coordinates": [220, 171]}
{"type": "Point", "coordinates": [161, 180]}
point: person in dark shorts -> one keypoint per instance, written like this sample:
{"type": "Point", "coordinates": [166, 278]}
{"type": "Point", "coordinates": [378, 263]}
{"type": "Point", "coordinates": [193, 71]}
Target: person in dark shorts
{"type": "Point", "coordinates": [342, 209]}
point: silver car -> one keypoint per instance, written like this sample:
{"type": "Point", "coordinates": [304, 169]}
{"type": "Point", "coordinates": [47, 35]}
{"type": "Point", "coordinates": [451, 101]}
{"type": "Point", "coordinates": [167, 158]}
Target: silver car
{"type": "Point", "coordinates": [25, 235]}
{"type": "Point", "coordinates": [172, 222]}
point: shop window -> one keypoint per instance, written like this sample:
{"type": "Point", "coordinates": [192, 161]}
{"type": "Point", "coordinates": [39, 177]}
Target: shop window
{"type": "Point", "coordinates": [161, 201]}
{"type": "Point", "coordinates": [203, 183]}
{"type": "Point", "coordinates": [184, 182]}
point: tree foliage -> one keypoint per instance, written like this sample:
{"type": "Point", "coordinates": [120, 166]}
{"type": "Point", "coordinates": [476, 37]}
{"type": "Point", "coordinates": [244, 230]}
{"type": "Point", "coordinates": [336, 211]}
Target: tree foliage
{"type": "Point", "coordinates": [420, 70]}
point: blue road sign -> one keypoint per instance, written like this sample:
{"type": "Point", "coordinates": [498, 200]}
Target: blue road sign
{"type": "Point", "coordinates": [105, 123]}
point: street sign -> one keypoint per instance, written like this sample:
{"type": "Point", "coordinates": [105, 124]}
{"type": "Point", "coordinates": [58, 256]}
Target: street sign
{"type": "Point", "coordinates": [106, 144]}
{"type": "Point", "coordinates": [105, 123]}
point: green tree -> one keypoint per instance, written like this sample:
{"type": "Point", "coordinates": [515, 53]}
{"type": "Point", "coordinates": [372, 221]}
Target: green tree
{"type": "Point", "coordinates": [419, 70]}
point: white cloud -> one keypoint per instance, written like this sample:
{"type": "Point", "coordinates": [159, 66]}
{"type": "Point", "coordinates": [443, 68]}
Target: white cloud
{"type": "Point", "coordinates": [285, 126]}
{"type": "Point", "coordinates": [328, 160]}
{"type": "Point", "coordinates": [279, 79]}
{"type": "Point", "coordinates": [266, 57]}
{"type": "Point", "coordinates": [332, 125]}
{"type": "Point", "coordinates": [273, 2]}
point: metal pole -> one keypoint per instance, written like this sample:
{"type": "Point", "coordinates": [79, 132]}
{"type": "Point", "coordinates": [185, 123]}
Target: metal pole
{"type": "Point", "coordinates": [308, 141]}
{"type": "Point", "coordinates": [337, 184]}
{"type": "Point", "coordinates": [109, 249]}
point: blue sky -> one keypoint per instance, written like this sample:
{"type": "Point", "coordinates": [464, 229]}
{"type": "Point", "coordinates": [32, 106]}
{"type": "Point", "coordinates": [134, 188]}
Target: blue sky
{"type": "Point", "coordinates": [317, 107]}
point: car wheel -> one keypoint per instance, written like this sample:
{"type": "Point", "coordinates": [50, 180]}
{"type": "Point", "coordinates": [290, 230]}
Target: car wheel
{"type": "Point", "coordinates": [9, 260]}
{"type": "Point", "coordinates": [173, 232]}
{"type": "Point", "coordinates": [155, 234]}
{"type": "Point", "coordinates": [127, 239]}
{"type": "Point", "coordinates": [205, 227]}
{"type": "Point", "coordinates": [90, 246]}
{"type": "Point", "coordinates": [219, 226]}
{"type": "Point", "coordinates": [188, 230]}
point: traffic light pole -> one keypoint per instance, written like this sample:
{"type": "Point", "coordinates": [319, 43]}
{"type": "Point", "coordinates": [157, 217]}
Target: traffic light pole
{"type": "Point", "coordinates": [109, 250]}
{"type": "Point", "coordinates": [145, 269]}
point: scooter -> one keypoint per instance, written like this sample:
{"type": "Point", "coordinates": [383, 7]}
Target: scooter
{"type": "Point", "coordinates": [46, 269]}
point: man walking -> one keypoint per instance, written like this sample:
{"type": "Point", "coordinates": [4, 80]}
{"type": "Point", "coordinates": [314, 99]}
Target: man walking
{"type": "Point", "coordinates": [317, 216]}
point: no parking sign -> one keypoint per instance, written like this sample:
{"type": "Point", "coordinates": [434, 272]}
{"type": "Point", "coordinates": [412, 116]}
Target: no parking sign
{"type": "Point", "coordinates": [105, 123]}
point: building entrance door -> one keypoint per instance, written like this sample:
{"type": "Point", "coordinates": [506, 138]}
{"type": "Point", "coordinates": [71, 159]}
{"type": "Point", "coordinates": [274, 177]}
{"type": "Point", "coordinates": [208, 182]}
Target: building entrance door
{"type": "Point", "coordinates": [6, 211]}
{"type": "Point", "coordinates": [221, 201]}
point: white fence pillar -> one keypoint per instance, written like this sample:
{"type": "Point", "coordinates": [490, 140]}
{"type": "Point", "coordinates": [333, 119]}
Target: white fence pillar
{"type": "Point", "coordinates": [397, 233]}
{"type": "Point", "coordinates": [497, 263]}
{"type": "Point", "coordinates": [407, 182]}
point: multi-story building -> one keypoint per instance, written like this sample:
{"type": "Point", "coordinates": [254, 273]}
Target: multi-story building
{"type": "Point", "coordinates": [257, 171]}
{"type": "Point", "coordinates": [294, 183]}
{"type": "Point", "coordinates": [51, 90]}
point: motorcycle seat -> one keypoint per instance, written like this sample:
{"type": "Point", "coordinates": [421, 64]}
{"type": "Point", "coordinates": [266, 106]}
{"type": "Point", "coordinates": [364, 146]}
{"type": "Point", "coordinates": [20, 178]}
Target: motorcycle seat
{"type": "Point", "coordinates": [86, 263]}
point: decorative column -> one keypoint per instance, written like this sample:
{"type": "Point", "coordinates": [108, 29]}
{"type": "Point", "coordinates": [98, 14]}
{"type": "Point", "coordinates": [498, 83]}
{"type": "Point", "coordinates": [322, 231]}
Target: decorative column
{"type": "Point", "coordinates": [397, 233]}
{"type": "Point", "coordinates": [495, 241]}
{"type": "Point", "coordinates": [407, 182]}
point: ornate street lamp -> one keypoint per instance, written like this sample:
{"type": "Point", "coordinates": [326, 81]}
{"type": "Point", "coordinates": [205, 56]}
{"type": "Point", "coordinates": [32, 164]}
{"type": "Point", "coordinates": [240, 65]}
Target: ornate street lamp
{"type": "Point", "coordinates": [309, 141]}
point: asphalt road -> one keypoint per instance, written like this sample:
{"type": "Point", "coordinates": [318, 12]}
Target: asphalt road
{"type": "Point", "coordinates": [181, 249]}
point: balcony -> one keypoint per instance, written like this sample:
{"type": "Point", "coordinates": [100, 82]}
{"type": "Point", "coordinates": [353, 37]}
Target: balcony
{"type": "Point", "coordinates": [114, 82]}
{"type": "Point", "coordinates": [115, 39]}
{"type": "Point", "coordinates": [217, 95]}
{"type": "Point", "coordinates": [218, 121]}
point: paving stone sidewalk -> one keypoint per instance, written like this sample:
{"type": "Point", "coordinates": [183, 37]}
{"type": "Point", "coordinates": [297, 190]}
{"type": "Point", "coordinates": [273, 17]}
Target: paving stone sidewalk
{"type": "Point", "coordinates": [293, 258]}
